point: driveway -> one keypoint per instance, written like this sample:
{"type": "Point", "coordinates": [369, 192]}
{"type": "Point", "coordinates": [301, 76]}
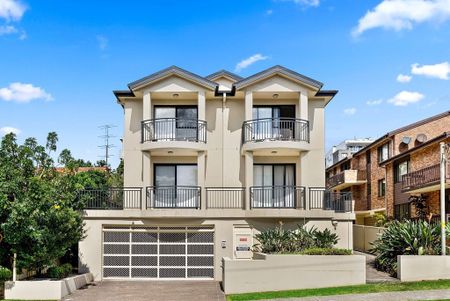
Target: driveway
{"type": "Point", "coordinates": [149, 290]}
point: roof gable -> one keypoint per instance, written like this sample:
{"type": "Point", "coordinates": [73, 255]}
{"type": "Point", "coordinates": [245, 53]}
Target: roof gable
{"type": "Point", "coordinates": [224, 73]}
{"type": "Point", "coordinates": [278, 70]}
{"type": "Point", "coordinates": [171, 71]}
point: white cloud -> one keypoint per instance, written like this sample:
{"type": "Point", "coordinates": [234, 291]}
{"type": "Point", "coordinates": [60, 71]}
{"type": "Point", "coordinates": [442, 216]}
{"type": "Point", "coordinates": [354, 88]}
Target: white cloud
{"type": "Point", "coordinates": [23, 93]}
{"type": "Point", "coordinates": [440, 71]}
{"type": "Point", "coordinates": [249, 61]}
{"type": "Point", "coordinates": [350, 111]}
{"type": "Point", "coordinates": [269, 12]}
{"type": "Point", "coordinates": [403, 14]}
{"type": "Point", "coordinates": [12, 10]}
{"type": "Point", "coordinates": [102, 42]}
{"type": "Point", "coordinates": [405, 98]}
{"type": "Point", "coordinates": [403, 78]}
{"type": "Point", "coordinates": [374, 102]}
{"type": "Point", "coordinates": [9, 129]}
{"type": "Point", "coordinates": [313, 3]}
{"type": "Point", "coordinates": [7, 29]}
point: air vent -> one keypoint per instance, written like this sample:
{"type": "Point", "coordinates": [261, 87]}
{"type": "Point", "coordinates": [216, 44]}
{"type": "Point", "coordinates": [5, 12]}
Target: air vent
{"type": "Point", "coordinates": [421, 138]}
{"type": "Point", "coordinates": [406, 140]}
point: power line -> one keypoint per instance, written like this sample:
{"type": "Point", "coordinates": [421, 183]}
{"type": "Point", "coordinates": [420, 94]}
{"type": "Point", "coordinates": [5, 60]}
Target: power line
{"type": "Point", "coordinates": [107, 145]}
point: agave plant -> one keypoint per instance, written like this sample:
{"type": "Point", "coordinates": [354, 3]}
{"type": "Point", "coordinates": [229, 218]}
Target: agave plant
{"type": "Point", "coordinates": [325, 239]}
{"type": "Point", "coordinates": [405, 238]}
{"type": "Point", "coordinates": [277, 240]}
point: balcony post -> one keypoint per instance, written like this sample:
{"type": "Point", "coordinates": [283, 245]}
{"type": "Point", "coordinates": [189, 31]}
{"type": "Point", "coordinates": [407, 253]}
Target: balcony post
{"type": "Point", "coordinates": [201, 167]}
{"type": "Point", "coordinates": [146, 106]}
{"type": "Point", "coordinates": [248, 105]}
{"type": "Point", "coordinates": [201, 104]}
{"type": "Point", "coordinates": [146, 177]}
{"type": "Point", "coordinates": [248, 178]}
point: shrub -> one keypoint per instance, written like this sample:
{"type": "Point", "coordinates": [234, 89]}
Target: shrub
{"type": "Point", "coordinates": [5, 274]}
{"type": "Point", "coordinates": [325, 239]}
{"type": "Point", "coordinates": [326, 251]}
{"type": "Point", "coordinates": [59, 272]}
{"type": "Point", "coordinates": [405, 238]}
{"type": "Point", "coordinates": [279, 240]}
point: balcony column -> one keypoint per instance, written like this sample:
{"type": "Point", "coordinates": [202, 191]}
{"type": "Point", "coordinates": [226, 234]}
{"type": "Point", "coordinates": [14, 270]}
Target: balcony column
{"type": "Point", "coordinates": [201, 104]}
{"type": "Point", "coordinates": [146, 177]}
{"type": "Point", "coordinates": [146, 106]}
{"type": "Point", "coordinates": [303, 105]}
{"type": "Point", "coordinates": [248, 178]}
{"type": "Point", "coordinates": [248, 106]}
{"type": "Point", "coordinates": [201, 168]}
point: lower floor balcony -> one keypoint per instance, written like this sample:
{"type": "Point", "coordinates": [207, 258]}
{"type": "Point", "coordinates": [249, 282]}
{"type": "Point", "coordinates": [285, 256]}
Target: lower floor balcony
{"type": "Point", "coordinates": [288, 197]}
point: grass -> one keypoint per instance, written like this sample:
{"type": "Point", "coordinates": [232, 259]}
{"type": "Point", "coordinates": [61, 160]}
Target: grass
{"type": "Point", "coordinates": [343, 290]}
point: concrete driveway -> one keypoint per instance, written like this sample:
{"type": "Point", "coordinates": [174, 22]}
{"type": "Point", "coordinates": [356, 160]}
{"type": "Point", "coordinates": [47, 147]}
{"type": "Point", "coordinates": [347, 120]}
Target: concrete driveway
{"type": "Point", "coordinates": [149, 290]}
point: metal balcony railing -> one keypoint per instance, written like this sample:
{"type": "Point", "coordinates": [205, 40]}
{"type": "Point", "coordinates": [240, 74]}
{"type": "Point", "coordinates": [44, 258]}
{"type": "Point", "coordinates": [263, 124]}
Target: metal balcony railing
{"type": "Point", "coordinates": [225, 197]}
{"type": "Point", "coordinates": [423, 177]}
{"type": "Point", "coordinates": [173, 197]}
{"type": "Point", "coordinates": [320, 198]}
{"type": "Point", "coordinates": [276, 129]}
{"type": "Point", "coordinates": [173, 129]}
{"type": "Point", "coordinates": [277, 197]}
{"type": "Point", "coordinates": [111, 198]}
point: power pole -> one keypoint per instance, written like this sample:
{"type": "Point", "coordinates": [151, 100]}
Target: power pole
{"type": "Point", "coordinates": [107, 145]}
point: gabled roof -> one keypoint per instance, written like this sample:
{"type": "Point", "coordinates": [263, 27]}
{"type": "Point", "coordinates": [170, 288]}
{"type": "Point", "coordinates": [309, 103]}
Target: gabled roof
{"type": "Point", "coordinates": [277, 70]}
{"type": "Point", "coordinates": [173, 70]}
{"type": "Point", "coordinates": [226, 73]}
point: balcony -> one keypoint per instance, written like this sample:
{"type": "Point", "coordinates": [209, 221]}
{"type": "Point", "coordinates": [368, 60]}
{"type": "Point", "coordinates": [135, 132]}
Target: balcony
{"type": "Point", "coordinates": [173, 197]}
{"type": "Point", "coordinates": [277, 197]}
{"type": "Point", "coordinates": [186, 201]}
{"type": "Point", "coordinates": [173, 133]}
{"type": "Point", "coordinates": [346, 179]}
{"type": "Point", "coordinates": [275, 133]}
{"type": "Point", "coordinates": [425, 180]}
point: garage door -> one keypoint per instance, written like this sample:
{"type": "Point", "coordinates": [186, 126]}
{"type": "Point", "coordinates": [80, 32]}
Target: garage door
{"type": "Point", "coordinates": [158, 252]}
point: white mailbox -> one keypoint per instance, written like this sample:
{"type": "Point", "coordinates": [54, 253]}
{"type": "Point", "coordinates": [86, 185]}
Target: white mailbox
{"type": "Point", "coordinates": [243, 242]}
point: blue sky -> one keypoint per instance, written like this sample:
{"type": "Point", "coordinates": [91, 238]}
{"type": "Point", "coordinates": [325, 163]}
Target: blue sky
{"type": "Point", "coordinates": [60, 60]}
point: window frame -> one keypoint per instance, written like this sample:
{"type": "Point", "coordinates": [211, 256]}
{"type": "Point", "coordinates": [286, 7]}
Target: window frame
{"type": "Point", "coordinates": [382, 187]}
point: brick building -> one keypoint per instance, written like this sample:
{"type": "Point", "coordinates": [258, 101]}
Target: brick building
{"type": "Point", "coordinates": [404, 162]}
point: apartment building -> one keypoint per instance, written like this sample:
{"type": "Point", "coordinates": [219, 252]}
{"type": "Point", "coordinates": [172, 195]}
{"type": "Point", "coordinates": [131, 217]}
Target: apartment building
{"type": "Point", "coordinates": [402, 163]}
{"type": "Point", "coordinates": [346, 149]}
{"type": "Point", "coordinates": [208, 162]}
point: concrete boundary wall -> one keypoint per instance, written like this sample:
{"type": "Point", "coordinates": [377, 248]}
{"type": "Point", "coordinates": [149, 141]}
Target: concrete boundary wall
{"type": "Point", "coordinates": [45, 289]}
{"type": "Point", "coordinates": [288, 272]}
{"type": "Point", "coordinates": [363, 236]}
{"type": "Point", "coordinates": [423, 267]}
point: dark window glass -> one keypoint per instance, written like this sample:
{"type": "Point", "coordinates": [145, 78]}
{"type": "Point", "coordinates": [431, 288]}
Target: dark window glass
{"type": "Point", "coordinates": [382, 187]}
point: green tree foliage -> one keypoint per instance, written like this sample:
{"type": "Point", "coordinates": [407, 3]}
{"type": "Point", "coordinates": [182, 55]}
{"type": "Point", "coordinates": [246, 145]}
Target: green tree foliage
{"type": "Point", "coordinates": [40, 218]}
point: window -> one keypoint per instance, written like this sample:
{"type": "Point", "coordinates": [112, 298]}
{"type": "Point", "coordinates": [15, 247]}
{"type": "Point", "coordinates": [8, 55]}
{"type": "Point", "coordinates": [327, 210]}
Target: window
{"type": "Point", "coordinates": [270, 125]}
{"type": "Point", "coordinates": [176, 123]}
{"type": "Point", "coordinates": [401, 169]}
{"type": "Point", "coordinates": [345, 166]}
{"type": "Point", "coordinates": [274, 185]}
{"type": "Point", "coordinates": [383, 152]}
{"type": "Point", "coordinates": [402, 211]}
{"type": "Point", "coordinates": [381, 187]}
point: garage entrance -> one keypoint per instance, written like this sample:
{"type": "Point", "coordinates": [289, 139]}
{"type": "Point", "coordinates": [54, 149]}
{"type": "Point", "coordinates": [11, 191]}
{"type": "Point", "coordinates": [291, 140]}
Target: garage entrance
{"type": "Point", "coordinates": [158, 252]}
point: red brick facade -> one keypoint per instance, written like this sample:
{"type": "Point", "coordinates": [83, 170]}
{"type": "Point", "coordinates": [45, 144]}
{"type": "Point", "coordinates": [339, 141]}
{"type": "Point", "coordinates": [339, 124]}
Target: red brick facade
{"type": "Point", "coordinates": [420, 155]}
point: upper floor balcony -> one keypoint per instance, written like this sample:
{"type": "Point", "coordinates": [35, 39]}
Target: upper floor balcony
{"type": "Point", "coordinates": [425, 180]}
{"type": "Point", "coordinates": [173, 133]}
{"type": "Point", "coordinates": [187, 201]}
{"type": "Point", "coordinates": [346, 179]}
{"type": "Point", "coordinates": [275, 133]}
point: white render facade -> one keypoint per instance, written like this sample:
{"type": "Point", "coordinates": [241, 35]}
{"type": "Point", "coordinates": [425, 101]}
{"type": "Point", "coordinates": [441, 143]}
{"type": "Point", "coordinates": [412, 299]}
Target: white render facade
{"type": "Point", "coordinates": [209, 162]}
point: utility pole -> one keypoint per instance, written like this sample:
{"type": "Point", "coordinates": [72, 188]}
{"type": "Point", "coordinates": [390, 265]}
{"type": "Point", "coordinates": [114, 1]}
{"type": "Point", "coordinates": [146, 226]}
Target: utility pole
{"type": "Point", "coordinates": [444, 159]}
{"type": "Point", "coordinates": [107, 145]}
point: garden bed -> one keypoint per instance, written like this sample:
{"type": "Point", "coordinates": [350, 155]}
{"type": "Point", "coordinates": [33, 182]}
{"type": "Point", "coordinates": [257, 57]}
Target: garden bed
{"type": "Point", "coordinates": [45, 289]}
{"type": "Point", "coordinates": [276, 272]}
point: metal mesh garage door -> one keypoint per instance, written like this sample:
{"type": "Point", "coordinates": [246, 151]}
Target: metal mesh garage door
{"type": "Point", "coordinates": [158, 252]}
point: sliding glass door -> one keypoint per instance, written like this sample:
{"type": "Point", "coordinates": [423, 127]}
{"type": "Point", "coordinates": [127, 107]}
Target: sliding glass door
{"type": "Point", "coordinates": [274, 122]}
{"type": "Point", "coordinates": [176, 186]}
{"type": "Point", "coordinates": [176, 123]}
{"type": "Point", "coordinates": [274, 185]}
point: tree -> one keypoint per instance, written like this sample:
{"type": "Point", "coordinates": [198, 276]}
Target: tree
{"type": "Point", "coordinates": [40, 217]}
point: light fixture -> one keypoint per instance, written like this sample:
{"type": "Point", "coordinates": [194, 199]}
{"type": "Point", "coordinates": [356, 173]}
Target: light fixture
{"type": "Point", "coordinates": [175, 95]}
{"type": "Point", "coordinates": [275, 96]}
{"type": "Point", "coordinates": [273, 152]}
{"type": "Point", "coordinates": [170, 152]}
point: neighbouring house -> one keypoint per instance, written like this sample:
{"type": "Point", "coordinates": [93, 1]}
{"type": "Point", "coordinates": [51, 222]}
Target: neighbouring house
{"type": "Point", "coordinates": [208, 162]}
{"type": "Point", "coordinates": [402, 163]}
{"type": "Point", "coordinates": [345, 149]}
